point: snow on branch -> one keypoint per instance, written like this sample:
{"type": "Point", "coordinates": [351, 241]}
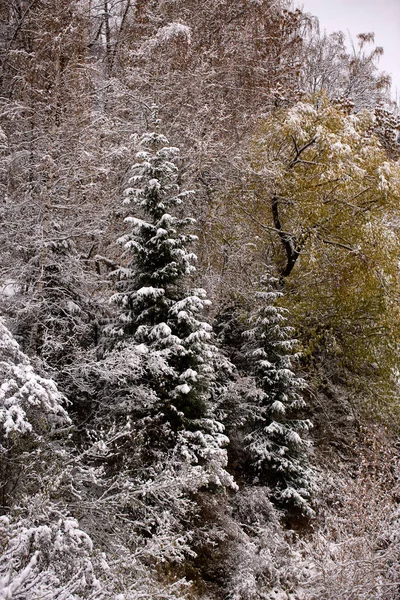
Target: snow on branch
{"type": "Point", "coordinates": [28, 402]}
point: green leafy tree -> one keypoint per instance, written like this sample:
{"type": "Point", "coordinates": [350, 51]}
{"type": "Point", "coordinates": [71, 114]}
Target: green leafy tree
{"type": "Point", "coordinates": [325, 195]}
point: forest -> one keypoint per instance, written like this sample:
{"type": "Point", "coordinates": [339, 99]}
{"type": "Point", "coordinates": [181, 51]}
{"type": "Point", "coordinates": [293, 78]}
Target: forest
{"type": "Point", "coordinates": [199, 304]}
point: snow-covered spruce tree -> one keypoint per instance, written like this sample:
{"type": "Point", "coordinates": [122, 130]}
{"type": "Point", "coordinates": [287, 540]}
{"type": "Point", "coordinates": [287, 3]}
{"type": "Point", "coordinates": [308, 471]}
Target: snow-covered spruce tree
{"type": "Point", "coordinates": [159, 442]}
{"type": "Point", "coordinates": [159, 312]}
{"type": "Point", "coordinates": [277, 444]}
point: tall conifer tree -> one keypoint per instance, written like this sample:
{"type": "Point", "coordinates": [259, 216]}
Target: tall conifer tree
{"type": "Point", "coordinates": [161, 316]}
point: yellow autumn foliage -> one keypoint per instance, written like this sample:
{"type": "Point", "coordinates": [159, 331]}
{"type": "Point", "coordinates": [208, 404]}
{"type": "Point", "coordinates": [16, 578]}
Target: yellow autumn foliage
{"type": "Point", "coordinates": [338, 197]}
{"type": "Point", "coordinates": [337, 206]}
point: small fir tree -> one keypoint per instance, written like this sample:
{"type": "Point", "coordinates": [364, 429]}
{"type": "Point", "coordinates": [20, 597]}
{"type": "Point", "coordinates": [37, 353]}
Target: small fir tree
{"type": "Point", "coordinates": [278, 449]}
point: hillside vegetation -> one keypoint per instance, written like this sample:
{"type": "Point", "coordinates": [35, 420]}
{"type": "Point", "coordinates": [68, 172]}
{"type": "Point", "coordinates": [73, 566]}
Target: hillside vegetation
{"type": "Point", "coordinates": [199, 305]}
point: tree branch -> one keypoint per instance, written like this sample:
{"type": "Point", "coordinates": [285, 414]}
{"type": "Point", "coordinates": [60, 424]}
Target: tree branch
{"type": "Point", "coordinates": [288, 240]}
{"type": "Point", "coordinates": [127, 7]}
{"type": "Point", "coordinates": [299, 151]}
{"type": "Point", "coordinates": [338, 244]}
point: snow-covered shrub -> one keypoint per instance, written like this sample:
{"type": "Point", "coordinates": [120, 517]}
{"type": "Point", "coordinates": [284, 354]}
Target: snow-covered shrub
{"type": "Point", "coordinates": [245, 548]}
{"type": "Point", "coordinates": [52, 305]}
{"type": "Point", "coordinates": [355, 552]}
{"type": "Point", "coordinates": [31, 410]}
{"type": "Point", "coordinates": [29, 403]}
{"type": "Point", "coordinates": [45, 554]}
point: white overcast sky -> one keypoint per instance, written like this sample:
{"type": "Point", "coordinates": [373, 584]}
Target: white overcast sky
{"type": "Point", "coordinates": [362, 16]}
